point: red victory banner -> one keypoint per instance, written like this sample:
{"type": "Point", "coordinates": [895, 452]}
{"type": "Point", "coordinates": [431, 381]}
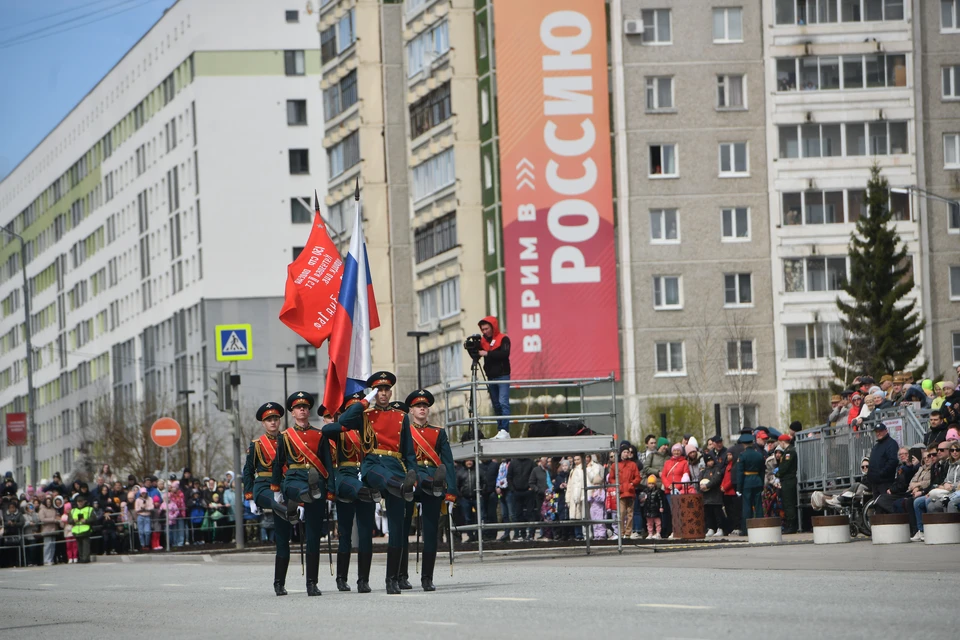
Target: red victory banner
{"type": "Point", "coordinates": [16, 429]}
{"type": "Point", "coordinates": [313, 284]}
{"type": "Point", "coordinates": [557, 191]}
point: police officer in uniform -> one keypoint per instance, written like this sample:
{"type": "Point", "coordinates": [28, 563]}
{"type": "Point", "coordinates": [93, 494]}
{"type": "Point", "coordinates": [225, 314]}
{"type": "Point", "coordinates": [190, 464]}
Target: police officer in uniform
{"type": "Point", "coordinates": [353, 499]}
{"type": "Point", "coordinates": [434, 466]}
{"type": "Point", "coordinates": [751, 467]}
{"type": "Point", "coordinates": [257, 473]}
{"type": "Point", "coordinates": [787, 472]}
{"type": "Point", "coordinates": [389, 466]}
{"type": "Point", "coordinates": [300, 474]}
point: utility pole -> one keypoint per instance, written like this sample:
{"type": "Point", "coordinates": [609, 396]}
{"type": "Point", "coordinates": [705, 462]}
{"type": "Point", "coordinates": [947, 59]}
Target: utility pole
{"type": "Point", "coordinates": [286, 394]}
{"type": "Point", "coordinates": [186, 393]}
{"type": "Point", "coordinates": [237, 474]}
{"type": "Point", "coordinates": [31, 427]}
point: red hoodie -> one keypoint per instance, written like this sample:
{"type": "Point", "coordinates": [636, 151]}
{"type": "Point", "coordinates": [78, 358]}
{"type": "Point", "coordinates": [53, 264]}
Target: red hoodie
{"type": "Point", "coordinates": [497, 362]}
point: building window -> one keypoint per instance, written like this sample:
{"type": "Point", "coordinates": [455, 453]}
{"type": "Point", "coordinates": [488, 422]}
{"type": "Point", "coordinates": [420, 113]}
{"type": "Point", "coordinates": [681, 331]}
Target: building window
{"type": "Point", "coordinates": [430, 367]}
{"type": "Point", "coordinates": [484, 106]}
{"type": "Point", "coordinates": [735, 224]}
{"type": "Point", "coordinates": [730, 94]}
{"type": "Point", "coordinates": [664, 226]}
{"type": "Point", "coordinates": [299, 161]}
{"type": "Point", "coordinates": [956, 347]}
{"type": "Point", "coordinates": [430, 110]}
{"type": "Point", "coordinates": [292, 16]}
{"type": "Point", "coordinates": [733, 159]}
{"type": "Point", "coordinates": [491, 238]}
{"type": "Point", "coordinates": [814, 274]}
{"type": "Point", "coordinates": [663, 161]}
{"type": "Point", "coordinates": [340, 96]}
{"type": "Point", "coordinates": [667, 294]}
{"type": "Point", "coordinates": [487, 172]}
{"type": "Point", "coordinates": [743, 416]}
{"type": "Point", "coordinates": [951, 151]}
{"type": "Point", "coordinates": [433, 175]}
{"type": "Point", "coordinates": [740, 356]}
{"type": "Point", "coordinates": [824, 140]}
{"type": "Point", "coordinates": [804, 12]}
{"type": "Point", "coordinates": [344, 154]}
{"type": "Point", "coordinates": [949, 15]}
{"type": "Point", "coordinates": [953, 217]}
{"type": "Point", "coordinates": [481, 40]}
{"type": "Point", "coordinates": [737, 290]}
{"type": "Point", "coordinates": [831, 73]}
{"type": "Point", "coordinates": [440, 301]}
{"type": "Point", "coordinates": [328, 44]}
{"type": "Point", "coordinates": [293, 63]}
{"type": "Point", "coordinates": [659, 93]}
{"type": "Point", "coordinates": [492, 300]}
{"type": "Point", "coordinates": [346, 34]}
{"type": "Point", "coordinates": [296, 112]}
{"type": "Point", "coordinates": [300, 210]}
{"type": "Point", "coordinates": [423, 50]}
{"type": "Point", "coordinates": [670, 359]}
{"type": "Point", "coordinates": [306, 357]}
{"type": "Point", "coordinates": [435, 238]}
{"type": "Point", "coordinates": [951, 82]}
{"type": "Point", "coordinates": [296, 252]}
{"type": "Point", "coordinates": [656, 26]}
{"type": "Point", "coordinates": [728, 24]}
{"type": "Point", "coordinates": [955, 283]}
{"type": "Point", "coordinates": [812, 341]}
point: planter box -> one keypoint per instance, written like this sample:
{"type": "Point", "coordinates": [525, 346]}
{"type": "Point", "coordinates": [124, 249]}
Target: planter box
{"type": "Point", "coordinates": [831, 529]}
{"type": "Point", "coordinates": [764, 531]}
{"type": "Point", "coordinates": [890, 528]}
{"type": "Point", "coordinates": [941, 528]}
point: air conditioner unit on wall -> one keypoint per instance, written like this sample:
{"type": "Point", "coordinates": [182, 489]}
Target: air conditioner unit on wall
{"type": "Point", "coordinates": [633, 27]}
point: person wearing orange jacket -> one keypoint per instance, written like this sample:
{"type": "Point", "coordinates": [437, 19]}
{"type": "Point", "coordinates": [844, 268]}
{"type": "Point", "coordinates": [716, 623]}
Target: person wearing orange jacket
{"type": "Point", "coordinates": [629, 482]}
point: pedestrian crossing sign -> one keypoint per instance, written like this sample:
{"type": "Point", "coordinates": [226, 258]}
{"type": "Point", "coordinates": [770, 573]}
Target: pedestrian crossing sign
{"type": "Point", "coordinates": [234, 342]}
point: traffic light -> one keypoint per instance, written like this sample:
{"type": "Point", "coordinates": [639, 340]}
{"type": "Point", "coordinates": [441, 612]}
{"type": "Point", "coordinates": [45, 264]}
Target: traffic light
{"type": "Point", "coordinates": [222, 391]}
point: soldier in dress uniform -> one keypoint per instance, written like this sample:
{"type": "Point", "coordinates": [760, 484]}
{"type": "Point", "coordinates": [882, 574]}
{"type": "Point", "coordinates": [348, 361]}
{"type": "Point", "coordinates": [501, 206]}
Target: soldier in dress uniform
{"type": "Point", "coordinates": [787, 472]}
{"type": "Point", "coordinates": [751, 468]}
{"type": "Point", "coordinates": [352, 498]}
{"type": "Point", "coordinates": [389, 466]}
{"type": "Point", "coordinates": [434, 466]}
{"type": "Point", "coordinates": [300, 474]}
{"type": "Point", "coordinates": [257, 474]}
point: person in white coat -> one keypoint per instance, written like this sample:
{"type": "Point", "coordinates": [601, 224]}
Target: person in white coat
{"type": "Point", "coordinates": [574, 496]}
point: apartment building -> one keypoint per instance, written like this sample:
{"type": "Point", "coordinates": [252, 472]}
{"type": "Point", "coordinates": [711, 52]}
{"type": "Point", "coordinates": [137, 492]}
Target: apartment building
{"type": "Point", "coordinates": [165, 203]}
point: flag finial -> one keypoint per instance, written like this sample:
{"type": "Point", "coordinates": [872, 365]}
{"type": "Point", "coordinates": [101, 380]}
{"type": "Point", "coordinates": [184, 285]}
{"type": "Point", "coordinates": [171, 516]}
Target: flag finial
{"type": "Point", "coordinates": [356, 194]}
{"type": "Point", "coordinates": [316, 201]}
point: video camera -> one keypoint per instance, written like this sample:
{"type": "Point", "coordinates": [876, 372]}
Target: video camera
{"type": "Point", "coordinates": [473, 346]}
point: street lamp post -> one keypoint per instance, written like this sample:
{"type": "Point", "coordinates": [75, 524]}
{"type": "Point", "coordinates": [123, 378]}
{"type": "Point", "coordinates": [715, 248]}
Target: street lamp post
{"type": "Point", "coordinates": [418, 335]}
{"type": "Point", "coordinates": [285, 392]}
{"type": "Point", "coordinates": [31, 430]}
{"type": "Point", "coordinates": [186, 393]}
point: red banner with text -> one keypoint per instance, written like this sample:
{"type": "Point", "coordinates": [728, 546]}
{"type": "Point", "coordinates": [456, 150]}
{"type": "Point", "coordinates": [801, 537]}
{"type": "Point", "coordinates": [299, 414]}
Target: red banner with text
{"type": "Point", "coordinates": [556, 183]}
{"type": "Point", "coordinates": [16, 429]}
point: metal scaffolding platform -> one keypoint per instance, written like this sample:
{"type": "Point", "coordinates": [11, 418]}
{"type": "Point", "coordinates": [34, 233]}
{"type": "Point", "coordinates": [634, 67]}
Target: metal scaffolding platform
{"type": "Point", "coordinates": [486, 449]}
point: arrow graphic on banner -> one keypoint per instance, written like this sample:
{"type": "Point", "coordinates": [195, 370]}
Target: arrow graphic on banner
{"type": "Point", "coordinates": [525, 177]}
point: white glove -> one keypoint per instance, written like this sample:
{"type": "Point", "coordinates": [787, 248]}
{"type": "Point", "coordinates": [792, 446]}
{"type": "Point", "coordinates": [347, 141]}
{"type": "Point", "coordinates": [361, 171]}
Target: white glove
{"type": "Point", "coordinates": [300, 513]}
{"type": "Point", "coordinates": [739, 495]}
{"type": "Point", "coordinates": [254, 509]}
{"type": "Point", "coordinates": [370, 396]}
{"type": "Point", "coordinates": [278, 497]}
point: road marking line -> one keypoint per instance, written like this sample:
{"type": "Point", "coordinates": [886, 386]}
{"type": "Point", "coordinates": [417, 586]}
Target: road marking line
{"type": "Point", "coordinates": [675, 606]}
{"type": "Point", "coordinates": [513, 599]}
{"type": "Point", "coordinates": [234, 588]}
{"type": "Point", "coordinates": [46, 584]}
{"type": "Point", "coordinates": [125, 559]}
{"type": "Point", "coordinates": [207, 557]}
{"type": "Point", "coordinates": [173, 584]}
{"type": "Point", "coordinates": [439, 624]}
{"type": "Point", "coordinates": [403, 595]}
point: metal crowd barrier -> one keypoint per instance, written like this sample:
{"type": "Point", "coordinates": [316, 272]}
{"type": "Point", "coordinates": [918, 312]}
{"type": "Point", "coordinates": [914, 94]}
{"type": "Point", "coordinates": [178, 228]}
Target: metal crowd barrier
{"type": "Point", "coordinates": [829, 456]}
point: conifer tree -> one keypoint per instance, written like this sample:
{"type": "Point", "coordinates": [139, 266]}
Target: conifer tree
{"type": "Point", "coordinates": [882, 329]}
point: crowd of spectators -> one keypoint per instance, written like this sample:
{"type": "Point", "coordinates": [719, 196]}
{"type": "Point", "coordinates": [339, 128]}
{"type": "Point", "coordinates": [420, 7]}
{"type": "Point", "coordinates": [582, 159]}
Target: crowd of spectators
{"type": "Point", "coordinates": [60, 523]}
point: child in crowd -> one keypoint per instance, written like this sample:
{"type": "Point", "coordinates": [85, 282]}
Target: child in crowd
{"type": "Point", "coordinates": [653, 508]}
{"type": "Point", "coordinates": [68, 534]}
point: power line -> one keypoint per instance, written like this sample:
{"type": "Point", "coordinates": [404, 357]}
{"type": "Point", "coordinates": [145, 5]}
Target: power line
{"type": "Point", "coordinates": [51, 15]}
{"type": "Point", "coordinates": [24, 39]}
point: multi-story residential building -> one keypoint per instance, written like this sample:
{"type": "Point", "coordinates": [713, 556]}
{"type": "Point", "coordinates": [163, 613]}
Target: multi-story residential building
{"type": "Point", "coordinates": [165, 203]}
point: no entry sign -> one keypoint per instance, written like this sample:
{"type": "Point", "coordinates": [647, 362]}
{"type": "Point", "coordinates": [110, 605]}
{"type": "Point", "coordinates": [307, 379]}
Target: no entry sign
{"type": "Point", "coordinates": [165, 432]}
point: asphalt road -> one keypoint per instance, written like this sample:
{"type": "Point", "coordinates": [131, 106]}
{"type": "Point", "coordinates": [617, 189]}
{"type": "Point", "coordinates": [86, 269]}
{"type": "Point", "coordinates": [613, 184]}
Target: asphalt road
{"type": "Point", "coordinates": [797, 591]}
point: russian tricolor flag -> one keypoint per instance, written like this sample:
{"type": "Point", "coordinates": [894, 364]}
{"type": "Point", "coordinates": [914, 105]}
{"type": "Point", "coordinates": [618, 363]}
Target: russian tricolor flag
{"type": "Point", "coordinates": [356, 315]}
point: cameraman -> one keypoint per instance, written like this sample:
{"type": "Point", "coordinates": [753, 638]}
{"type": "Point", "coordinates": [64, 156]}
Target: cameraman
{"type": "Point", "coordinates": [495, 349]}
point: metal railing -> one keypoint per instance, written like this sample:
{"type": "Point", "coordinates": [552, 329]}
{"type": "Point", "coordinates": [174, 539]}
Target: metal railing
{"type": "Point", "coordinates": [829, 456]}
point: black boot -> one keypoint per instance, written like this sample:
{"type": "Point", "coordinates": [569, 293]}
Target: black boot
{"type": "Point", "coordinates": [313, 484]}
{"type": "Point", "coordinates": [280, 575]}
{"type": "Point", "coordinates": [426, 572]}
{"type": "Point", "coordinates": [343, 568]}
{"type": "Point", "coordinates": [364, 558]}
{"type": "Point", "coordinates": [313, 570]}
{"type": "Point", "coordinates": [366, 494]}
{"type": "Point", "coordinates": [393, 567]}
{"type": "Point", "coordinates": [409, 483]}
{"type": "Point", "coordinates": [439, 484]}
{"type": "Point", "coordinates": [403, 576]}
